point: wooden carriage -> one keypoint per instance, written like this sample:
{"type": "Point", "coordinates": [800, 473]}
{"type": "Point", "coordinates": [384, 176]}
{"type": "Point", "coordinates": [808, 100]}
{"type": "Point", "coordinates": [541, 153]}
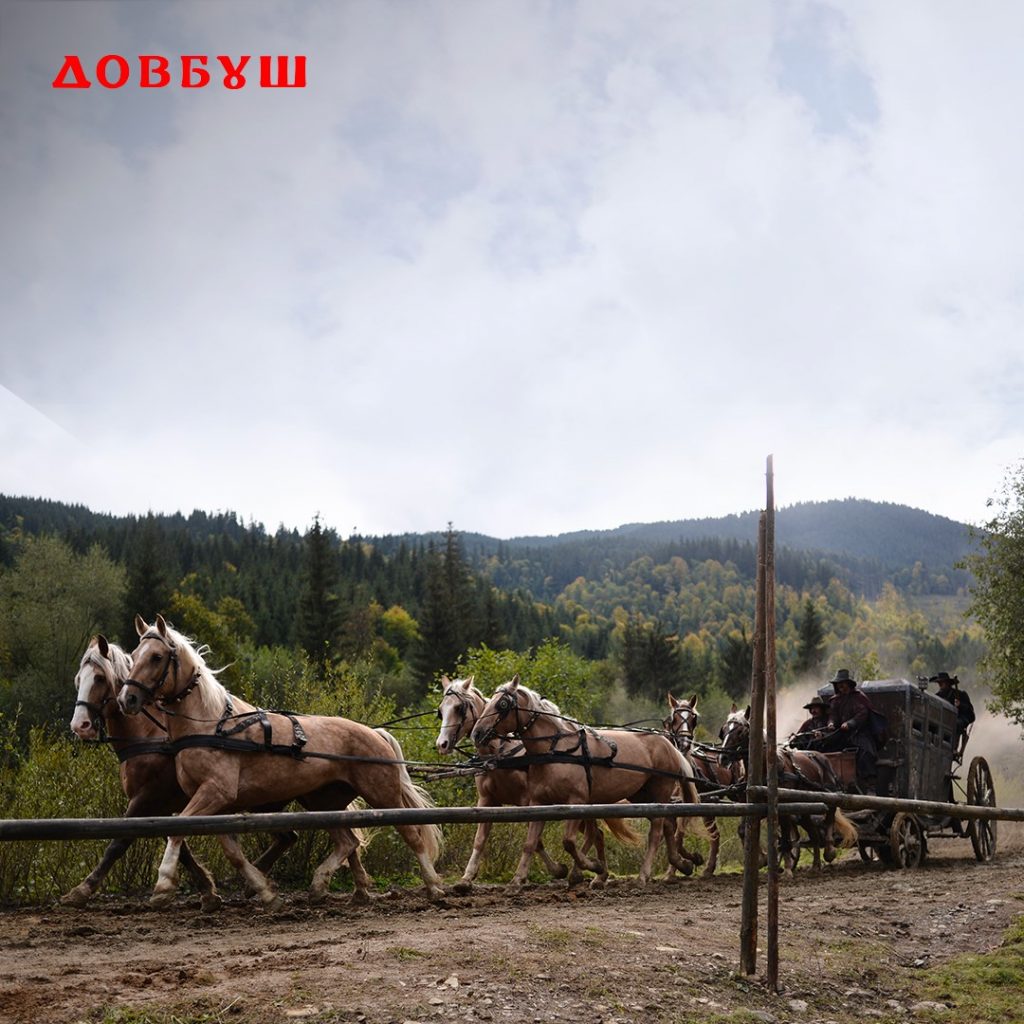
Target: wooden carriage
{"type": "Point", "coordinates": [919, 760]}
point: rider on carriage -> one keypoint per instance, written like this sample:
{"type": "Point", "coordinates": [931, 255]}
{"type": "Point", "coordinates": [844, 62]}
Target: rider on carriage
{"type": "Point", "coordinates": [949, 690]}
{"type": "Point", "coordinates": [811, 734]}
{"type": "Point", "coordinates": [851, 716]}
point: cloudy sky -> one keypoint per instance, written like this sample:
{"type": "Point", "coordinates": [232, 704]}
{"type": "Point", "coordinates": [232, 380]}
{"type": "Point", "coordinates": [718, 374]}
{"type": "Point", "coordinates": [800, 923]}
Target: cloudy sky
{"type": "Point", "coordinates": [523, 266]}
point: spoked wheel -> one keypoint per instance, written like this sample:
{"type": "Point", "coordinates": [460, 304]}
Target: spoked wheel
{"type": "Point", "coordinates": [907, 841]}
{"type": "Point", "coordinates": [981, 793]}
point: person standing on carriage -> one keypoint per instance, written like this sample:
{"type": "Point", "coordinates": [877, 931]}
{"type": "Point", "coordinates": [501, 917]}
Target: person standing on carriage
{"type": "Point", "coordinates": [811, 735]}
{"type": "Point", "coordinates": [849, 714]}
{"type": "Point", "coordinates": [949, 690]}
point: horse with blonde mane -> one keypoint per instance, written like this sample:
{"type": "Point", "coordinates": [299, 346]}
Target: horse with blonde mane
{"type": "Point", "coordinates": [231, 757]}
{"type": "Point", "coordinates": [459, 710]}
{"type": "Point", "coordinates": [147, 768]}
{"type": "Point", "coordinates": [570, 763]}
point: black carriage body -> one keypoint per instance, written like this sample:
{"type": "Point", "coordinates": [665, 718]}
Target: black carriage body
{"type": "Point", "coordinates": [916, 762]}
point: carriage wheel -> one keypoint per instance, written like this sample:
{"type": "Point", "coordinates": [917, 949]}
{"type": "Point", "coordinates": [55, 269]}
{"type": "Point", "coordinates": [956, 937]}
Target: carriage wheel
{"type": "Point", "coordinates": [906, 839]}
{"type": "Point", "coordinates": [981, 793]}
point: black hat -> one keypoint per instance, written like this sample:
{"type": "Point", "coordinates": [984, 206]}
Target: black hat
{"type": "Point", "coordinates": [943, 677]}
{"type": "Point", "coordinates": [817, 702]}
{"type": "Point", "coordinates": [843, 676]}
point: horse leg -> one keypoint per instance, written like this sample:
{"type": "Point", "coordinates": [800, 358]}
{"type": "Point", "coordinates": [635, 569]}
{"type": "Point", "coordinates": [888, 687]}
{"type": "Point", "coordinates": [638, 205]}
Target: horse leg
{"type": "Point", "coordinates": [657, 830]}
{"type": "Point", "coordinates": [529, 849]}
{"type": "Point", "coordinates": [483, 830]}
{"type": "Point", "coordinates": [81, 893]}
{"type": "Point", "coordinates": [715, 841]}
{"type": "Point", "coordinates": [415, 839]}
{"type": "Point", "coordinates": [678, 857]}
{"type": "Point", "coordinates": [208, 898]}
{"type": "Point", "coordinates": [594, 829]}
{"type": "Point", "coordinates": [255, 878]}
{"type": "Point", "coordinates": [830, 848]}
{"type": "Point", "coordinates": [167, 875]}
{"type": "Point", "coordinates": [346, 847]}
{"type": "Point", "coordinates": [556, 869]}
{"type": "Point", "coordinates": [283, 842]}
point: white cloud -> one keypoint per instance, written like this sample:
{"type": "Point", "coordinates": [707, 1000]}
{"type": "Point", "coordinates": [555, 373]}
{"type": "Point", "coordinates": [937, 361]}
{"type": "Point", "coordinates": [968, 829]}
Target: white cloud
{"type": "Point", "coordinates": [528, 268]}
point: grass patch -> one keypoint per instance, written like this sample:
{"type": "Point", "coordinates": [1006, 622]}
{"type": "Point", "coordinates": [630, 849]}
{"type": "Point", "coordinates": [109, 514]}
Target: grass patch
{"type": "Point", "coordinates": [406, 953]}
{"type": "Point", "coordinates": [983, 988]}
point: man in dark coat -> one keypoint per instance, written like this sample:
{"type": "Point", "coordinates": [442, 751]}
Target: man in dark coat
{"type": "Point", "coordinates": [811, 734]}
{"type": "Point", "coordinates": [850, 715]}
{"type": "Point", "coordinates": [949, 690]}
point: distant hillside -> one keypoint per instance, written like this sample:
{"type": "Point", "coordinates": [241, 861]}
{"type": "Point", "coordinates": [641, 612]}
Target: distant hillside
{"type": "Point", "coordinates": [894, 535]}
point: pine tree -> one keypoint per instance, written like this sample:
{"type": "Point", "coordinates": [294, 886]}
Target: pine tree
{"type": "Point", "coordinates": [320, 611]}
{"type": "Point", "coordinates": [148, 590]}
{"type": "Point", "coordinates": [810, 640]}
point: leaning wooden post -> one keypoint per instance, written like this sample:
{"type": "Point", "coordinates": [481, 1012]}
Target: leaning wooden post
{"type": "Point", "coordinates": [755, 774]}
{"type": "Point", "coordinates": [772, 820]}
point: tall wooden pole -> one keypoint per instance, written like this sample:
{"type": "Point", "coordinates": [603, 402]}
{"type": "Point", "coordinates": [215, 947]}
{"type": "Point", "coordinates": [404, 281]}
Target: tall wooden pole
{"type": "Point", "coordinates": [770, 723]}
{"type": "Point", "coordinates": [755, 772]}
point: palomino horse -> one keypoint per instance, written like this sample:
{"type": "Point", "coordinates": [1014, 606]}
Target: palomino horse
{"type": "Point", "coordinates": [230, 753]}
{"type": "Point", "coordinates": [680, 726]}
{"type": "Point", "coordinates": [799, 770]}
{"type": "Point", "coordinates": [460, 707]}
{"type": "Point", "coordinates": [573, 764]}
{"type": "Point", "coordinates": [147, 772]}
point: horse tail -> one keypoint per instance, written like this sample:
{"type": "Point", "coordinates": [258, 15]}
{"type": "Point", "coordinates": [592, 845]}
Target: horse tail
{"type": "Point", "coordinates": [414, 796]}
{"type": "Point", "coordinates": [624, 831]}
{"type": "Point", "coordinates": [845, 830]}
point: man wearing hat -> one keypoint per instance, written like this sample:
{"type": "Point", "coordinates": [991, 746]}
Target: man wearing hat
{"type": "Point", "coordinates": [811, 734]}
{"type": "Point", "coordinates": [849, 714]}
{"type": "Point", "coordinates": [949, 690]}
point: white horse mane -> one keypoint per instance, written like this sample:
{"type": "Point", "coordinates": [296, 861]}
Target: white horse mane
{"type": "Point", "coordinates": [120, 659]}
{"type": "Point", "coordinates": [542, 704]}
{"type": "Point", "coordinates": [210, 686]}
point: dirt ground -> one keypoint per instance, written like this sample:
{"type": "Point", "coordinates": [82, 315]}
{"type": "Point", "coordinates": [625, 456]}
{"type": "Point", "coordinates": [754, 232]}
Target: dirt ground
{"type": "Point", "coordinates": [851, 941]}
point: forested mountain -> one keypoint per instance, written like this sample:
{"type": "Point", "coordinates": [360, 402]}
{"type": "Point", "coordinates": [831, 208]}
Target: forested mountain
{"type": "Point", "coordinates": [659, 605]}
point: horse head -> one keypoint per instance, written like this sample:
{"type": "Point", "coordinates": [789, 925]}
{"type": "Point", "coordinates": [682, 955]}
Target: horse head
{"type": "Point", "coordinates": [166, 668]}
{"type": "Point", "coordinates": [681, 721]}
{"type": "Point", "coordinates": [102, 671]}
{"type": "Point", "coordinates": [460, 707]}
{"type": "Point", "coordinates": [501, 716]}
{"type": "Point", "coordinates": [735, 733]}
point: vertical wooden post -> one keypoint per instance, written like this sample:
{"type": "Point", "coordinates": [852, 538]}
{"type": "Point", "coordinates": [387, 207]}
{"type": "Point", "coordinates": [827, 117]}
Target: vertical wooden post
{"type": "Point", "coordinates": [755, 772]}
{"type": "Point", "coordinates": [772, 821]}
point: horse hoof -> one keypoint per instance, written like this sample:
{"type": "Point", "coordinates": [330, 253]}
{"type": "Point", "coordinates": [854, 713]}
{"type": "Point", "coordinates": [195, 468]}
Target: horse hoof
{"type": "Point", "coordinates": [599, 882]}
{"type": "Point", "coordinates": [209, 902]}
{"type": "Point", "coordinates": [317, 897]}
{"type": "Point", "coordinates": [559, 871]}
{"type": "Point", "coordinates": [360, 898]}
{"type": "Point", "coordinates": [575, 877]}
{"type": "Point", "coordinates": [78, 897]}
{"type": "Point", "coordinates": [708, 871]}
{"type": "Point", "coordinates": [697, 859]}
{"type": "Point", "coordinates": [462, 888]}
{"type": "Point", "coordinates": [161, 900]}
{"type": "Point", "coordinates": [830, 855]}
{"type": "Point", "coordinates": [274, 904]}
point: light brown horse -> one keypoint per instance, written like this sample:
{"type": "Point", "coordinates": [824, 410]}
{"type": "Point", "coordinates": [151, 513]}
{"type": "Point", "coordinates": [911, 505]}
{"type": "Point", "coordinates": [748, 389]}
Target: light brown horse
{"type": "Point", "coordinates": [573, 764]}
{"type": "Point", "coordinates": [459, 710]}
{"type": "Point", "coordinates": [797, 769]}
{"type": "Point", "coordinates": [323, 762]}
{"type": "Point", "coordinates": [147, 769]}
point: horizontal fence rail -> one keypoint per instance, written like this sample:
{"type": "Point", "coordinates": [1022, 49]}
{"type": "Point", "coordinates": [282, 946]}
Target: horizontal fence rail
{"type": "Point", "coordinates": [926, 808]}
{"type": "Point", "coordinates": [221, 824]}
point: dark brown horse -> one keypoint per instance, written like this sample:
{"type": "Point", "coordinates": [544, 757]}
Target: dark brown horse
{"type": "Point", "coordinates": [708, 770]}
{"type": "Point", "coordinates": [148, 777]}
{"type": "Point", "coordinates": [573, 764]}
{"type": "Point", "coordinates": [797, 769]}
{"type": "Point", "coordinates": [321, 761]}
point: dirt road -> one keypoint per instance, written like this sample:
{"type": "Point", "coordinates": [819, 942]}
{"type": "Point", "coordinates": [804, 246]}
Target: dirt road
{"type": "Point", "coordinates": [851, 940]}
